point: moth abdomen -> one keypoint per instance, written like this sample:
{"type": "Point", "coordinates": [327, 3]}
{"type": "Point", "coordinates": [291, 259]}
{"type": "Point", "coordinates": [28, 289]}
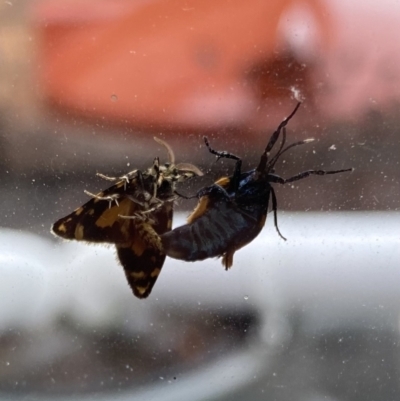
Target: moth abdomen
{"type": "Point", "coordinates": [219, 227]}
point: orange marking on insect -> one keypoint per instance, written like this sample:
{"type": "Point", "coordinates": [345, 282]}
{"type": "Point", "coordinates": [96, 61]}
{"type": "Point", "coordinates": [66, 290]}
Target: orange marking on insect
{"type": "Point", "coordinates": [138, 247]}
{"type": "Point", "coordinates": [79, 232]}
{"type": "Point", "coordinates": [78, 211]}
{"type": "Point", "coordinates": [141, 290]}
{"type": "Point", "coordinates": [201, 208]}
{"type": "Point", "coordinates": [110, 215]}
{"type": "Point", "coordinates": [155, 273]}
{"type": "Point", "coordinates": [223, 181]}
{"type": "Point", "coordinates": [137, 275]}
{"type": "Point", "coordinates": [61, 228]}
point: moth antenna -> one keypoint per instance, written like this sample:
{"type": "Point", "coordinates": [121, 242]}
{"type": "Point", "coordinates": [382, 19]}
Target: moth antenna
{"type": "Point", "coordinates": [262, 166]}
{"type": "Point", "coordinates": [171, 155]}
{"type": "Point", "coordinates": [189, 167]}
{"type": "Point", "coordinates": [272, 162]}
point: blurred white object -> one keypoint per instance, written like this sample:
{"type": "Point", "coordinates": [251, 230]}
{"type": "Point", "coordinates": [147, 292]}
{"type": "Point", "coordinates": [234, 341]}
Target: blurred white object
{"type": "Point", "coordinates": [339, 261]}
{"type": "Point", "coordinates": [335, 270]}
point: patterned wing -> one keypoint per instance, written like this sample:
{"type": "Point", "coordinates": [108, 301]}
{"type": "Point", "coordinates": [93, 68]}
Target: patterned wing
{"type": "Point", "coordinates": [132, 214]}
{"type": "Point", "coordinates": [98, 219]}
{"type": "Point", "coordinates": [142, 257]}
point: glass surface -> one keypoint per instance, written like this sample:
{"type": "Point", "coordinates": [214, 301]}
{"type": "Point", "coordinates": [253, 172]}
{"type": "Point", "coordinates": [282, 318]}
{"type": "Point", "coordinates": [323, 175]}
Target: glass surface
{"type": "Point", "coordinates": [84, 88]}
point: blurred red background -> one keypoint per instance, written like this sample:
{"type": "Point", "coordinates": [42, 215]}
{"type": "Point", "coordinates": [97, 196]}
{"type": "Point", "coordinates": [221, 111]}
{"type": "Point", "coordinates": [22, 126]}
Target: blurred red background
{"type": "Point", "coordinates": [204, 64]}
{"type": "Point", "coordinates": [197, 64]}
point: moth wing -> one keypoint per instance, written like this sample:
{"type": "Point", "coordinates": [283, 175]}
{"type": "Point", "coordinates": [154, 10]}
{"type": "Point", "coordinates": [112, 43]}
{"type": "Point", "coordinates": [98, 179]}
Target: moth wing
{"type": "Point", "coordinates": [98, 219]}
{"type": "Point", "coordinates": [142, 257]}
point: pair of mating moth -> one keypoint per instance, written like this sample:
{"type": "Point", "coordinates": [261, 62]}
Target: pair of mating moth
{"type": "Point", "coordinates": [135, 214]}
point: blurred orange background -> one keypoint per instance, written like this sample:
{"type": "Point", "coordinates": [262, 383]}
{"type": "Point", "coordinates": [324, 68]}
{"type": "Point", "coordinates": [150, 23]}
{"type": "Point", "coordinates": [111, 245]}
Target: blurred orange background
{"type": "Point", "coordinates": [197, 64]}
{"type": "Point", "coordinates": [203, 64]}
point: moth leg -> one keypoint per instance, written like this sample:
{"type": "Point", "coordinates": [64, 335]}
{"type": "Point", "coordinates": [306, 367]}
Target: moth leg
{"type": "Point", "coordinates": [297, 177]}
{"type": "Point", "coordinates": [213, 189]}
{"type": "Point", "coordinates": [227, 258]}
{"type": "Point", "coordinates": [154, 196]}
{"type": "Point", "coordinates": [306, 174]}
{"type": "Point", "coordinates": [142, 217]}
{"type": "Point", "coordinates": [144, 205]}
{"type": "Point", "coordinates": [110, 198]}
{"type": "Point", "coordinates": [156, 168]}
{"type": "Point", "coordinates": [157, 203]}
{"type": "Point", "coordinates": [223, 154]}
{"type": "Point", "coordinates": [106, 177]}
{"type": "Point", "coordinates": [145, 212]}
{"type": "Point", "coordinates": [124, 178]}
{"type": "Point", "coordinates": [275, 210]}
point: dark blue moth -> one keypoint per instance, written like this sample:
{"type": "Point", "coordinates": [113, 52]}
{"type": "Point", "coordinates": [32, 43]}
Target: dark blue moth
{"type": "Point", "coordinates": [232, 212]}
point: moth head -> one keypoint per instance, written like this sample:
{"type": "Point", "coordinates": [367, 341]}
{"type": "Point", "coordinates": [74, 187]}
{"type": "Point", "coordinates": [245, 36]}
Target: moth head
{"type": "Point", "coordinates": [175, 172]}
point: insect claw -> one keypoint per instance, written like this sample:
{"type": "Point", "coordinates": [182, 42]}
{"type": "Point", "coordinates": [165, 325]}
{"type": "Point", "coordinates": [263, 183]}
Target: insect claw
{"type": "Point", "coordinates": [279, 233]}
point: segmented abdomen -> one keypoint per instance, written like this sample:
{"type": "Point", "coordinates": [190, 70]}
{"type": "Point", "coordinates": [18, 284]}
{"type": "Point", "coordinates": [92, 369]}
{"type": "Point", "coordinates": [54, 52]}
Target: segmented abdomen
{"type": "Point", "coordinates": [220, 227]}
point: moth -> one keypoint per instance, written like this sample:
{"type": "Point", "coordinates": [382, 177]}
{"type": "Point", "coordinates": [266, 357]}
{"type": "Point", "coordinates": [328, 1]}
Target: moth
{"type": "Point", "coordinates": [132, 214]}
{"type": "Point", "coordinates": [232, 212]}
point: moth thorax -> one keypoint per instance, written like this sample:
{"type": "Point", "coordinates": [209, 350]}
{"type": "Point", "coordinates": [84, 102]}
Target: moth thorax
{"type": "Point", "coordinates": [142, 196]}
